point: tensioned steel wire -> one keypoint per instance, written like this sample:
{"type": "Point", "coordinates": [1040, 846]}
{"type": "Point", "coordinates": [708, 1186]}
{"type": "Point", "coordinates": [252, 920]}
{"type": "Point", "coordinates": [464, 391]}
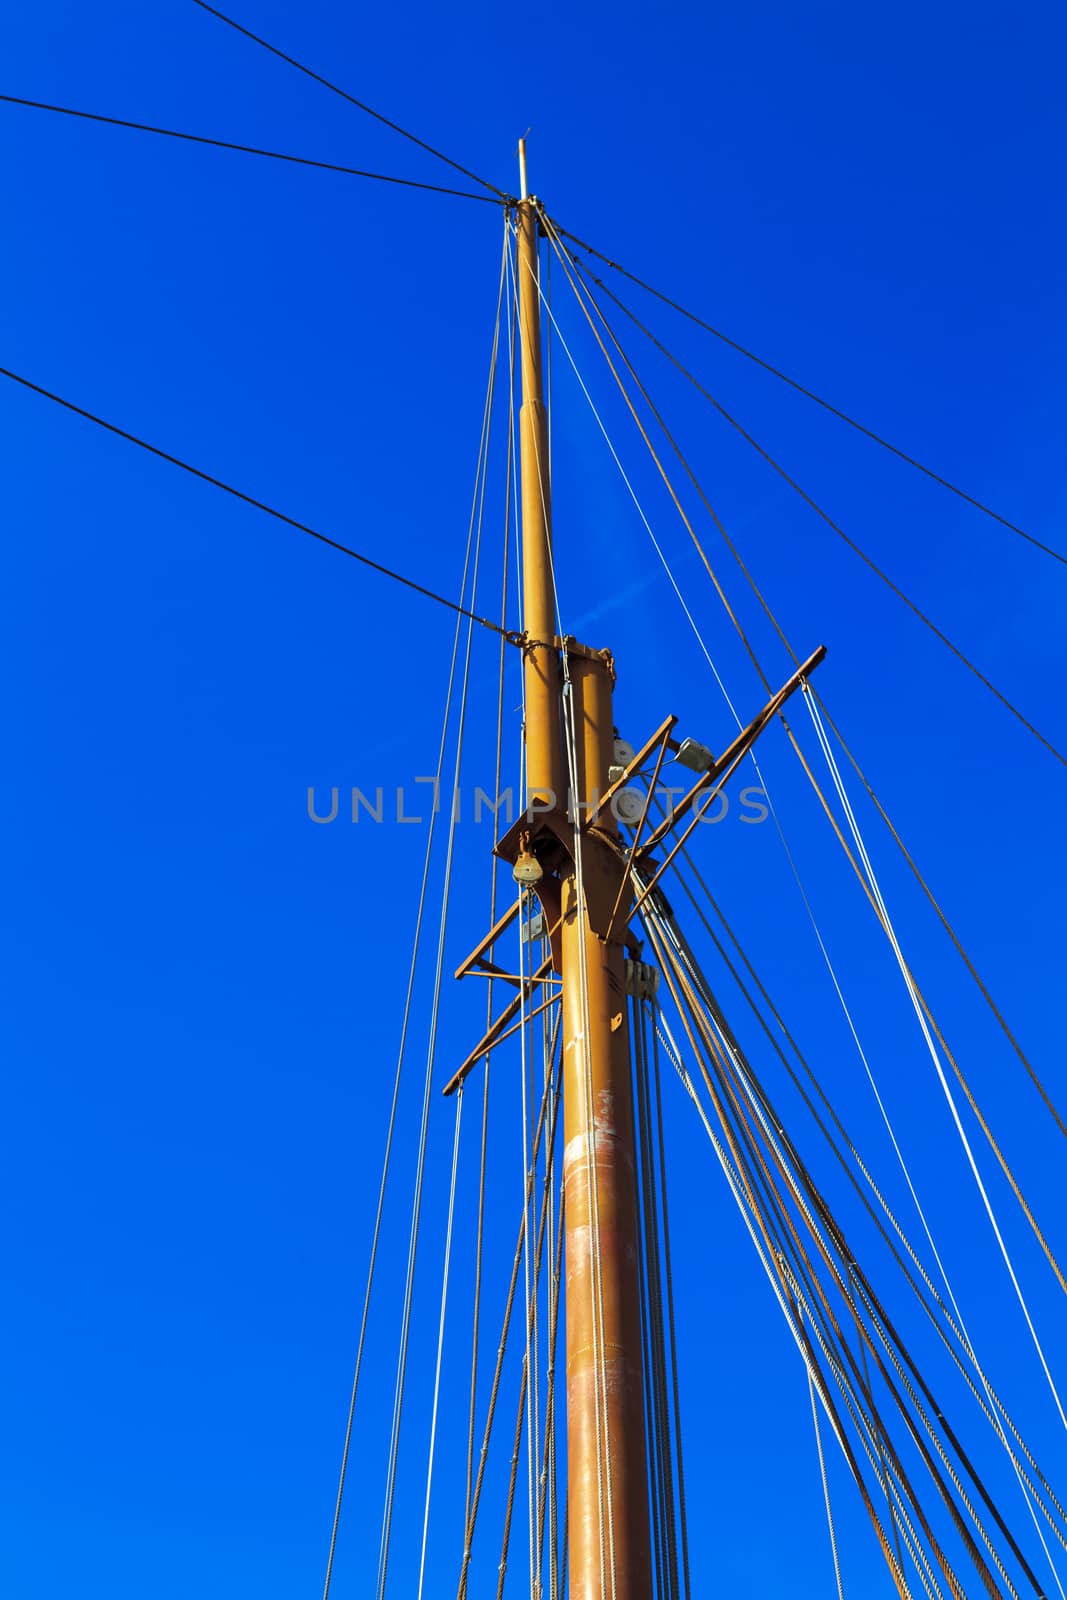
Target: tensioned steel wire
{"type": "Point", "coordinates": [584, 387]}
{"type": "Point", "coordinates": [768, 1251]}
{"type": "Point", "coordinates": [665, 1442]}
{"type": "Point", "coordinates": [251, 500]}
{"type": "Point", "coordinates": [531, 1360]}
{"type": "Point", "coordinates": [475, 537]}
{"type": "Point", "coordinates": [549, 1113]}
{"type": "Point", "coordinates": [845, 538]}
{"type": "Point", "coordinates": [807, 768]}
{"type": "Point", "coordinates": [879, 1331]}
{"type": "Point", "coordinates": [410, 991]}
{"type": "Point", "coordinates": [743, 1073]}
{"type": "Point", "coordinates": [360, 105]}
{"type": "Point", "coordinates": [526, 969]}
{"type": "Point", "coordinates": [807, 392]}
{"type": "Point", "coordinates": [736, 555]}
{"type": "Point", "coordinates": [826, 1491]}
{"type": "Point", "coordinates": [483, 1153]}
{"type": "Point", "coordinates": [940, 1316]}
{"type": "Point", "coordinates": [751, 1192]}
{"type": "Point", "coordinates": [761, 1245]}
{"type": "Point", "coordinates": [245, 149]}
{"type": "Point", "coordinates": [500, 197]}
{"type": "Point", "coordinates": [999, 1430]}
{"type": "Point", "coordinates": [932, 1048]}
{"type": "Point", "coordinates": [760, 671]}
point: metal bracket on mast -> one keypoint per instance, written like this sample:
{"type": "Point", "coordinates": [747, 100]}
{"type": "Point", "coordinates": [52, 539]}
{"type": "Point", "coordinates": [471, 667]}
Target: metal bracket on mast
{"type": "Point", "coordinates": [549, 834]}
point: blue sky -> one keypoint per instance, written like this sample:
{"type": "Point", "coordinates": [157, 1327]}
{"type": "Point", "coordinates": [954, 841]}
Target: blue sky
{"type": "Point", "coordinates": [204, 989]}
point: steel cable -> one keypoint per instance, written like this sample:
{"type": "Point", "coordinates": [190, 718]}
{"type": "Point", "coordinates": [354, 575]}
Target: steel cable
{"type": "Point", "coordinates": [351, 99]}
{"type": "Point", "coordinates": [243, 149]}
{"type": "Point", "coordinates": [258, 505]}
{"type": "Point", "coordinates": [811, 395]}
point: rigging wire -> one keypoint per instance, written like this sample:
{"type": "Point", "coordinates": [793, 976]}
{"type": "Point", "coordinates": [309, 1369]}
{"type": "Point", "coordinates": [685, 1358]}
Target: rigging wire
{"type": "Point", "coordinates": [526, 968]}
{"type": "Point", "coordinates": [862, 1168]}
{"type": "Point", "coordinates": [756, 1226]}
{"type": "Point", "coordinates": [260, 505]}
{"type": "Point", "coordinates": [682, 600]}
{"type": "Point", "coordinates": [934, 1056]}
{"type": "Point", "coordinates": [825, 1490]}
{"type": "Point", "coordinates": [525, 1386]}
{"type": "Point", "coordinates": [811, 395]}
{"type": "Point", "coordinates": [548, 1112]}
{"type": "Point", "coordinates": [735, 553]}
{"type": "Point", "coordinates": [731, 1051]}
{"type": "Point", "coordinates": [243, 149]}
{"type": "Point", "coordinates": [807, 769]}
{"type": "Point", "coordinates": [683, 1523]}
{"type": "Point", "coordinates": [553, 1086]}
{"type": "Point", "coordinates": [416, 943]}
{"type": "Point", "coordinates": [480, 1230]}
{"type": "Point", "coordinates": [440, 1339]}
{"type": "Point", "coordinates": [876, 1312]}
{"type": "Point", "coordinates": [547, 1490]}
{"type": "Point", "coordinates": [763, 1111]}
{"type": "Point", "coordinates": [344, 94]}
{"type": "Point", "coordinates": [391, 1126]}
{"type": "Point", "coordinates": [992, 1400]}
{"type": "Point", "coordinates": [475, 534]}
{"type": "Point", "coordinates": [472, 617]}
{"type": "Point", "coordinates": [818, 509]}
{"type": "Point", "coordinates": [686, 608]}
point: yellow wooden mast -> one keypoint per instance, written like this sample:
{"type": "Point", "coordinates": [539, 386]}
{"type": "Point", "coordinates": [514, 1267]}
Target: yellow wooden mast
{"type": "Point", "coordinates": [569, 709]}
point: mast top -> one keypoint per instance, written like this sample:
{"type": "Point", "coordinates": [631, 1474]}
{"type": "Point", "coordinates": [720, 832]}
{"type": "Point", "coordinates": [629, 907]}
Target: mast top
{"type": "Point", "coordinates": [523, 192]}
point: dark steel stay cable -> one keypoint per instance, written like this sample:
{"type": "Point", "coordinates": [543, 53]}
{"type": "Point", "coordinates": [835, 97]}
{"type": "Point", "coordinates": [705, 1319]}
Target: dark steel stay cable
{"type": "Point", "coordinates": [259, 505]}
{"type": "Point", "coordinates": [841, 1247]}
{"type": "Point", "coordinates": [344, 94]}
{"type": "Point", "coordinates": [810, 394]}
{"type": "Point", "coordinates": [920, 999]}
{"type": "Point", "coordinates": [736, 554]}
{"type": "Point", "coordinates": [822, 1210]}
{"type": "Point", "coordinates": [821, 513]}
{"type": "Point", "coordinates": [244, 149]}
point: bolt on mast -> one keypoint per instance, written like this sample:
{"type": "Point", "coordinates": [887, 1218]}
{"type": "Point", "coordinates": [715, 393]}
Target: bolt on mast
{"type": "Point", "coordinates": [607, 1493]}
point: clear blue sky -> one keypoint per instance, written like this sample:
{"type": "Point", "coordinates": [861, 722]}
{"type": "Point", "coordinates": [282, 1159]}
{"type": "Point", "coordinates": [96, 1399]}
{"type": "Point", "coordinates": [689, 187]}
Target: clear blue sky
{"type": "Point", "coordinates": [203, 988]}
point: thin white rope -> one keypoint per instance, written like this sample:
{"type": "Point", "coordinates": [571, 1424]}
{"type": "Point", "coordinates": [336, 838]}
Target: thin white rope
{"type": "Point", "coordinates": [474, 538]}
{"type": "Point", "coordinates": [703, 646]}
{"type": "Point", "coordinates": [440, 1337]}
{"type": "Point", "coordinates": [391, 1126]}
{"type": "Point", "coordinates": [756, 1104]}
{"type": "Point", "coordinates": [822, 945]}
{"type": "Point", "coordinates": [640, 509]}
{"type": "Point", "coordinates": [958, 1327]}
{"type": "Point", "coordinates": [668, 932]}
{"type": "Point", "coordinates": [825, 1490]}
{"type": "Point", "coordinates": [993, 1402]}
{"type": "Point", "coordinates": [674, 1055]}
{"type": "Point", "coordinates": [891, 935]}
{"type": "Point", "coordinates": [525, 960]}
